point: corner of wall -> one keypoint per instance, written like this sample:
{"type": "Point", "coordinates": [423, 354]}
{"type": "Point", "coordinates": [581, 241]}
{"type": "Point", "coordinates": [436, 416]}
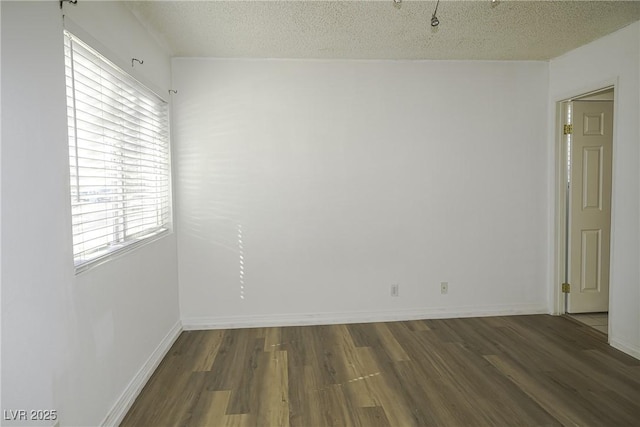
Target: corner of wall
{"type": "Point", "coordinates": [125, 401]}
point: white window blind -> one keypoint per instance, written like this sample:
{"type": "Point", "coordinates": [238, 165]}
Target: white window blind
{"type": "Point", "coordinates": [118, 156]}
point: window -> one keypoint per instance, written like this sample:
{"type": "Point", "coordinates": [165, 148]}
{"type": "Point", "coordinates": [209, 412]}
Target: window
{"type": "Point", "coordinates": [118, 156]}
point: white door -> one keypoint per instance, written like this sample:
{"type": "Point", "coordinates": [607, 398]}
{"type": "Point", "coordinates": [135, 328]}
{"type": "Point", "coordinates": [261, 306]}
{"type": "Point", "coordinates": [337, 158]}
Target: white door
{"type": "Point", "coordinates": [590, 206]}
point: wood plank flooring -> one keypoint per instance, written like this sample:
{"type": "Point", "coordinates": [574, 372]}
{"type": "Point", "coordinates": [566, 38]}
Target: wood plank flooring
{"type": "Point", "coordinates": [495, 371]}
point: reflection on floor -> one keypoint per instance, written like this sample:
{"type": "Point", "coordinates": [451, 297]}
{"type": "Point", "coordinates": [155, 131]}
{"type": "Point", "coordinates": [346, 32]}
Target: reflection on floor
{"type": "Point", "coordinates": [599, 321]}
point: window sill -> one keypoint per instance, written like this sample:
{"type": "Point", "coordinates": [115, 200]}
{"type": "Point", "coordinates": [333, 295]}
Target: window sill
{"type": "Point", "coordinates": [120, 251]}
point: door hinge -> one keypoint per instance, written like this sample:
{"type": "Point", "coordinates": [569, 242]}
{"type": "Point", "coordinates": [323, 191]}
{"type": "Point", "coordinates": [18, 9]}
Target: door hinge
{"type": "Point", "coordinates": [566, 288]}
{"type": "Point", "coordinates": [568, 129]}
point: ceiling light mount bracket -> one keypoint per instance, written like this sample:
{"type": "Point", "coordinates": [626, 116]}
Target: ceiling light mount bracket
{"type": "Point", "coordinates": [67, 1]}
{"type": "Point", "coordinates": [434, 19]}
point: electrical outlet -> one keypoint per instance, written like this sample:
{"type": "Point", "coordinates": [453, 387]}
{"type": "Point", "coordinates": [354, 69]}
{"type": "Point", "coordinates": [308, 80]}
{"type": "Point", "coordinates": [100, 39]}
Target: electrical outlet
{"type": "Point", "coordinates": [395, 290]}
{"type": "Point", "coordinates": [444, 287]}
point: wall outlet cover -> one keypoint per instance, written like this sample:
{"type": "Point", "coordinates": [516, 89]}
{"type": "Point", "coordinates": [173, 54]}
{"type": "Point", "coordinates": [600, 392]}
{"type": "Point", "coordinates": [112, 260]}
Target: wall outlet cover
{"type": "Point", "coordinates": [395, 290]}
{"type": "Point", "coordinates": [444, 287]}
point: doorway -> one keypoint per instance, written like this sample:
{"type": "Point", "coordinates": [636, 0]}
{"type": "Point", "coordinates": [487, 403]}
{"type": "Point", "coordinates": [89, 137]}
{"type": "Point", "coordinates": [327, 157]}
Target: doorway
{"type": "Point", "coordinates": [586, 153]}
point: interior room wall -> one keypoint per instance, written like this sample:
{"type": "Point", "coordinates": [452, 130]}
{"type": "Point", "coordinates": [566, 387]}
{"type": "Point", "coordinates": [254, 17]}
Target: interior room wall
{"type": "Point", "coordinates": [74, 344]}
{"type": "Point", "coordinates": [0, 205]}
{"type": "Point", "coordinates": [614, 59]}
{"type": "Point", "coordinates": [305, 189]}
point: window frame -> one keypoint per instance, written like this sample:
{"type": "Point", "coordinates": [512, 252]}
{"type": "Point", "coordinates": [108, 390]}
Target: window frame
{"type": "Point", "coordinates": [127, 201]}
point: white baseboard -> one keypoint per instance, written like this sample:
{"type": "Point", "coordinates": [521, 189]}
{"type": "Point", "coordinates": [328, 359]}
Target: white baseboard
{"type": "Point", "coordinates": [230, 322]}
{"type": "Point", "coordinates": [123, 404]}
{"type": "Point", "coordinates": [626, 348]}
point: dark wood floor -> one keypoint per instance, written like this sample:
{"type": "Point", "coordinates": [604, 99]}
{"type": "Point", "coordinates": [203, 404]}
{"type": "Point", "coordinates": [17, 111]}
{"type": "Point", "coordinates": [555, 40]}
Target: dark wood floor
{"type": "Point", "coordinates": [500, 371]}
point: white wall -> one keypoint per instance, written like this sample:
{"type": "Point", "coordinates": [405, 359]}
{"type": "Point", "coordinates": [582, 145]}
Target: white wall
{"type": "Point", "coordinates": [613, 59]}
{"type": "Point", "coordinates": [341, 178]}
{"type": "Point", "coordinates": [344, 177]}
{"type": "Point", "coordinates": [0, 209]}
{"type": "Point", "coordinates": [69, 343]}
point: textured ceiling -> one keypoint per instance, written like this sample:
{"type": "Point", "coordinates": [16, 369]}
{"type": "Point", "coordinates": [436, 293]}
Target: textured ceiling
{"type": "Point", "coordinates": [508, 30]}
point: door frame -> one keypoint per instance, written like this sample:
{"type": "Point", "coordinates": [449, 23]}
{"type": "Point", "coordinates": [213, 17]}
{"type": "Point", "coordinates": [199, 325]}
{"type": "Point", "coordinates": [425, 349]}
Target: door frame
{"type": "Point", "coordinates": [560, 166]}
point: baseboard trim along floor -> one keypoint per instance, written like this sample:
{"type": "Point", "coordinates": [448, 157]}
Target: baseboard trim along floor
{"type": "Point", "coordinates": [135, 386]}
{"type": "Point", "coordinates": [228, 322]}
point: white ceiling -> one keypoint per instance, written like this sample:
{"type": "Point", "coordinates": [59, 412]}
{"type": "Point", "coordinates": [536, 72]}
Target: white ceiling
{"type": "Point", "coordinates": [478, 29]}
